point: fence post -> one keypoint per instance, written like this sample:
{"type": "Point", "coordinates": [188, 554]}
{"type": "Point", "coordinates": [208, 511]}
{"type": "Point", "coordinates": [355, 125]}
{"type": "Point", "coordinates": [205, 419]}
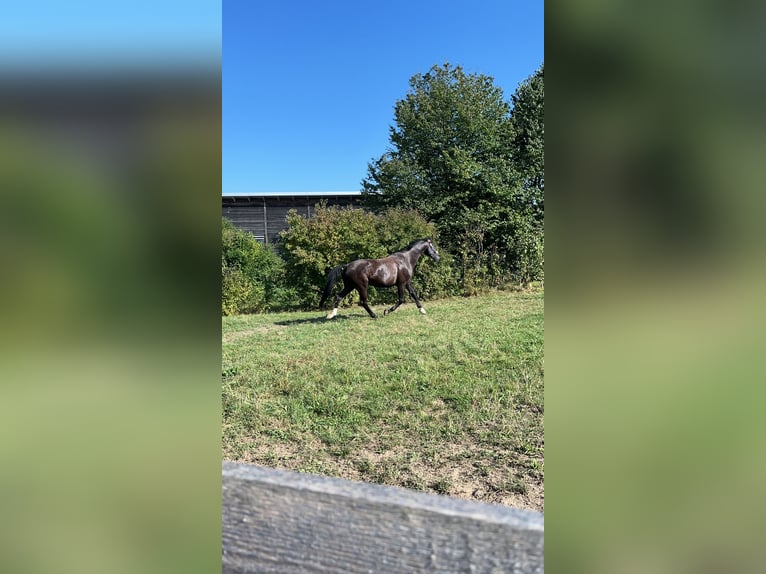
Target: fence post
{"type": "Point", "coordinates": [284, 521]}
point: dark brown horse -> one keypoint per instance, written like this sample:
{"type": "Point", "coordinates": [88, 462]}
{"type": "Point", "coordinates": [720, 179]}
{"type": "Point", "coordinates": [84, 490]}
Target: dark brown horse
{"type": "Point", "coordinates": [396, 269]}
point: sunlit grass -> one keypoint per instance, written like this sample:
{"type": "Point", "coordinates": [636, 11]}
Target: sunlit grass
{"type": "Point", "coordinates": [449, 402]}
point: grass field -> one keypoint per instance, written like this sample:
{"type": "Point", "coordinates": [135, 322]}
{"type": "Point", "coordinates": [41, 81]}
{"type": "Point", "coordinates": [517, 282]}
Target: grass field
{"type": "Point", "coordinates": [449, 402]}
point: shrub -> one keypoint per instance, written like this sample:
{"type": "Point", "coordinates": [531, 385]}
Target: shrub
{"type": "Point", "coordinates": [256, 278]}
{"type": "Point", "coordinates": [509, 252]}
{"type": "Point", "coordinates": [312, 247]}
{"type": "Point", "coordinates": [530, 257]}
{"type": "Point", "coordinates": [398, 227]}
{"type": "Point", "coordinates": [238, 293]}
{"type": "Point", "coordinates": [524, 250]}
{"type": "Point", "coordinates": [252, 274]}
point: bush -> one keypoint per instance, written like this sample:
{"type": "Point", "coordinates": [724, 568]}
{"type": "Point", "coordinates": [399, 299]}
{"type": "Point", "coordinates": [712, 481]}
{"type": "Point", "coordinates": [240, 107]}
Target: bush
{"type": "Point", "coordinates": [312, 247]}
{"type": "Point", "coordinates": [396, 228]}
{"type": "Point", "coordinates": [252, 274]}
{"type": "Point", "coordinates": [256, 278]}
{"type": "Point", "coordinates": [524, 250]}
{"type": "Point", "coordinates": [509, 252]}
{"type": "Point", "coordinates": [530, 257]}
{"type": "Point", "coordinates": [238, 293]}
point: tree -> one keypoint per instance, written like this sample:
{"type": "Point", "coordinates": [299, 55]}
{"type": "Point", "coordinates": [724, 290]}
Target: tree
{"type": "Point", "coordinates": [453, 158]}
{"type": "Point", "coordinates": [528, 137]}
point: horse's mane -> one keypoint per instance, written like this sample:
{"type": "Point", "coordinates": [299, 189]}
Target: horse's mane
{"type": "Point", "coordinates": [412, 244]}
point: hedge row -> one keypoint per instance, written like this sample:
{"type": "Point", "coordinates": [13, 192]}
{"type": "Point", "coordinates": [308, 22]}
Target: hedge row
{"type": "Point", "coordinates": [292, 273]}
{"type": "Point", "coordinates": [311, 247]}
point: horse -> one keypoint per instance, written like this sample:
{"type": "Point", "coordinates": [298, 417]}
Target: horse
{"type": "Point", "coordinates": [395, 269]}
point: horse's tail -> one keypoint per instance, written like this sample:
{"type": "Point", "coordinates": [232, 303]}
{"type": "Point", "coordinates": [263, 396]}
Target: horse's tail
{"type": "Point", "coordinates": [332, 278]}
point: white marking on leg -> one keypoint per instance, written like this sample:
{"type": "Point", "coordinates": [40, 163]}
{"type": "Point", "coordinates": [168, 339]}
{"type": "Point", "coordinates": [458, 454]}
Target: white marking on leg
{"type": "Point", "coordinates": [422, 311]}
{"type": "Point", "coordinates": [332, 313]}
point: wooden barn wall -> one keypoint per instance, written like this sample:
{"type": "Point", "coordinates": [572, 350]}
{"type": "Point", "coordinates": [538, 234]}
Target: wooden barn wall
{"type": "Point", "coordinates": [264, 216]}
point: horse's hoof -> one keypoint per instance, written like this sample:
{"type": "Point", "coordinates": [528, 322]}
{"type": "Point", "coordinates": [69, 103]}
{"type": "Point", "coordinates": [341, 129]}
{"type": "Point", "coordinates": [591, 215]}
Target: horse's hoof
{"type": "Point", "coordinates": [332, 313]}
{"type": "Point", "coordinates": [385, 312]}
{"type": "Point", "coordinates": [422, 311]}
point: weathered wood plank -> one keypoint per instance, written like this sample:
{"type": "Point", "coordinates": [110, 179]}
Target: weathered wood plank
{"type": "Point", "coordinates": [279, 521]}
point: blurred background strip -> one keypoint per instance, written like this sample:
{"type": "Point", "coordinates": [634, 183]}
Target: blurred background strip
{"type": "Point", "coordinates": [110, 174]}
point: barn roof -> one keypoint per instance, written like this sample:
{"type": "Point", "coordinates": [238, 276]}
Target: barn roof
{"type": "Point", "coordinates": [291, 194]}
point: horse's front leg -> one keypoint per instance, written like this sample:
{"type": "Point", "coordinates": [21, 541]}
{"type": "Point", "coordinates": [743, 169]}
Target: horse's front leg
{"type": "Point", "coordinates": [400, 288]}
{"type": "Point", "coordinates": [414, 296]}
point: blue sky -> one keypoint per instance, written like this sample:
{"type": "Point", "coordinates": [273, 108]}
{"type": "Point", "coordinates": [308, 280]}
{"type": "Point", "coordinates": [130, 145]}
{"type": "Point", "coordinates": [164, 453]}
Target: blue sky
{"type": "Point", "coordinates": [51, 33]}
{"type": "Point", "coordinates": [309, 87]}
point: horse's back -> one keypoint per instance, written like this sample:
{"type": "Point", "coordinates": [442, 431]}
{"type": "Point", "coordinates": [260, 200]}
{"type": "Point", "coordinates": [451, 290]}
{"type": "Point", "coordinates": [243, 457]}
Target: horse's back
{"type": "Point", "coordinates": [379, 272]}
{"type": "Point", "coordinates": [357, 266]}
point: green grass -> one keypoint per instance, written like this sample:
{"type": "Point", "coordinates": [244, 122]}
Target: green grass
{"type": "Point", "coordinates": [448, 402]}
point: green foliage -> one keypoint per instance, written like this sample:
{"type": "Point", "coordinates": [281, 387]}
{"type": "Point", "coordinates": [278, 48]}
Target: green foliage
{"type": "Point", "coordinates": [447, 147]}
{"type": "Point", "coordinates": [528, 140]}
{"type": "Point", "coordinates": [524, 250]}
{"type": "Point", "coordinates": [465, 159]}
{"type": "Point", "coordinates": [252, 274]}
{"type": "Point", "coordinates": [396, 228]}
{"type": "Point", "coordinates": [311, 247]}
{"type": "Point", "coordinates": [238, 293]}
{"type": "Point", "coordinates": [333, 236]}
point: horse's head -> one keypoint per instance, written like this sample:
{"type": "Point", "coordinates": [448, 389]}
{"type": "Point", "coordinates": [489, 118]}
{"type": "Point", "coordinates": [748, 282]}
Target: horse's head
{"type": "Point", "coordinates": [431, 251]}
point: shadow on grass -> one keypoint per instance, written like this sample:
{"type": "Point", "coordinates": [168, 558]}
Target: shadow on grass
{"type": "Point", "coordinates": [321, 319]}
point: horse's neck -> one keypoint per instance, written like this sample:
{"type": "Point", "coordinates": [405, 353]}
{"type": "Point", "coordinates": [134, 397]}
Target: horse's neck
{"type": "Point", "coordinates": [415, 253]}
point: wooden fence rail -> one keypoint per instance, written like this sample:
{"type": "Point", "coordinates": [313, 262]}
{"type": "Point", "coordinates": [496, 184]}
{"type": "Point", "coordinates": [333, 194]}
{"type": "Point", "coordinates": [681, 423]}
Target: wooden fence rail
{"type": "Point", "coordinates": [279, 521]}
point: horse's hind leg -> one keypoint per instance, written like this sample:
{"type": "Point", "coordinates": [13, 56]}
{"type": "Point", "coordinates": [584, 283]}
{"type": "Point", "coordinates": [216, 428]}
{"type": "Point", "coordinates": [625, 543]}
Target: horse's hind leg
{"type": "Point", "coordinates": [345, 291]}
{"type": "Point", "coordinates": [400, 287]}
{"type": "Point", "coordinates": [363, 300]}
{"type": "Point", "coordinates": [414, 296]}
